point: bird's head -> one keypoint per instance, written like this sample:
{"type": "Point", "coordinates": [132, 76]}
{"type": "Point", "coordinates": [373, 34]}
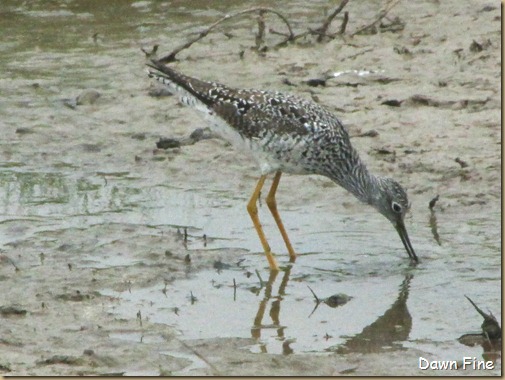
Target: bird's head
{"type": "Point", "coordinates": [392, 202]}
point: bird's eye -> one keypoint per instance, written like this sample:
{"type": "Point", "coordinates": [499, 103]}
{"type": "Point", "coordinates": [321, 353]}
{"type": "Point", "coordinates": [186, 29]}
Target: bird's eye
{"type": "Point", "coordinates": [396, 207]}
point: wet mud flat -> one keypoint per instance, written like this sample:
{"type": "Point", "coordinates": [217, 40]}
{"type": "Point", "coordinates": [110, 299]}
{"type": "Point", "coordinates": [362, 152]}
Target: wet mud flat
{"type": "Point", "coordinates": [117, 257]}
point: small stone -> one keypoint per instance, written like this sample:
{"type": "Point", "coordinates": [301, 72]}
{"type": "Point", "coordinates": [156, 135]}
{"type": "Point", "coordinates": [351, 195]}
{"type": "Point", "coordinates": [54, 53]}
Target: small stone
{"type": "Point", "coordinates": [24, 130]}
{"type": "Point", "coordinates": [12, 311]}
{"type": "Point", "coordinates": [167, 143]}
{"type": "Point", "coordinates": [87, 97]}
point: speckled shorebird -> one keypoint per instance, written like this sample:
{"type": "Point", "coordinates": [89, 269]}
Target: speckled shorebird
{"type": "Point", "coordinates": [287, 134]}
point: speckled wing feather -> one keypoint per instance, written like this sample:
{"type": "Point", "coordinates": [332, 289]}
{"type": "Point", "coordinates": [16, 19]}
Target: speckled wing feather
{"type": "Point", "coordinates": [252, 112]}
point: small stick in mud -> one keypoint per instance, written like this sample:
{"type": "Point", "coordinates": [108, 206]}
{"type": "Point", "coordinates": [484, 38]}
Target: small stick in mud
{"type": "Point", "coordinates": [433, 220]}
{"type": "Point", "coordinates": [139, 318]}
{"type": "Point", "coordinates": [10, 261]}
{"type": "Point", "coordinates": [150, 54]}
{"type": "Point", "coordinates": [240, 261]}
{"type": "Point", "coordinates": [344, 22]}
{"type": "Point", "coordinates": [192, 298]}
{"type": "Point", "coordinates": [314, 294]}
{"type": "Point", "coordinates": [434, 226]}
{"type": "Point", "coordinates": [433, 202]}
{"type": "Point", "coordinates": [324, 28]}
{"type": "Point", "coordinates": [234, 290]}
{"type": "Point", "coordinates": [260, 37]}
{"type": "Point", "coordinates": [490, 327]}
{"type": "Point", "coordinates": [461, 163]}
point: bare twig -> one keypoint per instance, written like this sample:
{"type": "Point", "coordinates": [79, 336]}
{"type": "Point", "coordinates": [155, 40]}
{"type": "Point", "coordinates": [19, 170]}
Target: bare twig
{"type": "Point", "coordinates": [324, 28]}
{"type": "Point", "coordinates": [433, 202]}
{"type": "Point", "coordinates": [234, 290]}
{"type": "Point", "coordinates": [314, 294]}
{"type": "Point", "coordinates": [344, 22]}
{"type": "Point", "coordinates": [260, 37]}
{"type": "Point", "coordinates": [304, 34]}
{"type": "Point", "coordinates": [215, 371]}
{"type": "Point", "coordinates": [352, 56]}
{"type": "Point", "coordinates": [382, 14]}
{"type": "Point", "coordinates": [171, 57]}
{"type": "Point", "coordinates": [152, 53]}
{"type": "Point", "coordinates": [273, 31]}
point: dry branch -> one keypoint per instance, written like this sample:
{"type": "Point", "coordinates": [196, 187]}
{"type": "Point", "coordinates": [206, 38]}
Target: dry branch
{"type": "Point", "coordinates": [382, 14]}
{"type": "Point", "coordinates": [324, 28]}
{"type": "Point", "coordinates": [344, 22]}
{"type": "Point", "coordinates": [171, 57]}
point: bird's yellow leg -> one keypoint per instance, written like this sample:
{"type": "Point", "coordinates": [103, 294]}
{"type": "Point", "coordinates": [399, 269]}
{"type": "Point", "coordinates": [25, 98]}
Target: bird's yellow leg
{"type": "Point", "coordinates": [272, 205]}
{"type": "Point", "coordinates": [252, 208]}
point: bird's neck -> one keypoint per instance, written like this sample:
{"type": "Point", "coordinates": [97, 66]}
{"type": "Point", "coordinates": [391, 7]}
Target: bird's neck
{"type": "Point", "coordinates": [355, 178]}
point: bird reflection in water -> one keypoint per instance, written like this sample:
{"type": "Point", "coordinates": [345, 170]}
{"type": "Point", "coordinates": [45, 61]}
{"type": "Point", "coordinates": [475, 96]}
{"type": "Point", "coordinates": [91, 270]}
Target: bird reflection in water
{"type": "Point", "coordinates": [275, 308]}
{"type": "Point", "coordinates": [387, 332]}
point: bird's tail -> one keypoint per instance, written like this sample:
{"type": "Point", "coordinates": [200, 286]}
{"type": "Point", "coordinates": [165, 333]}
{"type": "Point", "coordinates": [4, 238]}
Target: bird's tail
{"type": "Point", "coordinates": [191, 91]}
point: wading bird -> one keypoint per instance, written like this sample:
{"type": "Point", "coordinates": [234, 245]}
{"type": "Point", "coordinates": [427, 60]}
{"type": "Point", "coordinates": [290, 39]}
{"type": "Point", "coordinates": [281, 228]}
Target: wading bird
{"type": "Point", "coordinates": [287, 134]}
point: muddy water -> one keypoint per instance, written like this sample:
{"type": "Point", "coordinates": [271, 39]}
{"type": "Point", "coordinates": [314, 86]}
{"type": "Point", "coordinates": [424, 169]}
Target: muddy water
{"type": "Point", "coordinates": [148, 258]}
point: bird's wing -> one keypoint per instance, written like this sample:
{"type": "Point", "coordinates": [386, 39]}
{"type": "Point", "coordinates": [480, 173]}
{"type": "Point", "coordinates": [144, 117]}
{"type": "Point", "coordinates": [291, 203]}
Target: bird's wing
{"type": "Point", "coordinates": [253, 113]}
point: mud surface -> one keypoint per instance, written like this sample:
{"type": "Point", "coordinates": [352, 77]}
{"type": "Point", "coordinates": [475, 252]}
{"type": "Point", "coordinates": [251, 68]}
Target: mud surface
{"type": "Point", "coordinates": [120, 258]}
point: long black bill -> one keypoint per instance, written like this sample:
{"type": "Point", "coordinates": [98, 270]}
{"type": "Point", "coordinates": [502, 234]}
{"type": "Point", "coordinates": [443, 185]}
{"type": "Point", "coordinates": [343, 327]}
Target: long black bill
{"type": "Point", "coordinates": [402, 231]}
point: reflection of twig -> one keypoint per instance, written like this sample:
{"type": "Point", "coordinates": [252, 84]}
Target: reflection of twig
{"type": "Point", "coordinates": [171, 57]}
{"type": "Point", "coordinates": [318, 301]}
{"type": "Point", "coordinates": [433, 220]}
{"type": "Point", "coordinates": [262, 283]}
{"type": "Point", "coordinates": [192, 298]}
{"type": "Point", "coordinates": [330, 18]}
{"type": "Point", "coordinates": [382, 14]}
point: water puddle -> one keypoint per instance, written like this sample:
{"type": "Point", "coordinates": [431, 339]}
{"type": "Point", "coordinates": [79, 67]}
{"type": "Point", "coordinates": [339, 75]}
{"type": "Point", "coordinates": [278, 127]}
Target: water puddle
{"type": "Point", "coordinates": [392, 306]}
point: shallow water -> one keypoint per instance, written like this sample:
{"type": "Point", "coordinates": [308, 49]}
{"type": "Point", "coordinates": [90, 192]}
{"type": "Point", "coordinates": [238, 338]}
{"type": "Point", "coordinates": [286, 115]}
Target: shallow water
{"type": "Point", "coordinates": [85, 185]}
